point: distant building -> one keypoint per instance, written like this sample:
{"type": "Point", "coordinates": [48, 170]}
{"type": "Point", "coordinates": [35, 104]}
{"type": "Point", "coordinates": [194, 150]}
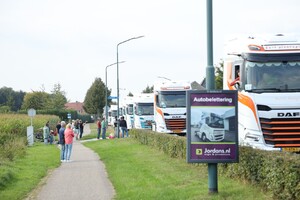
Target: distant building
{"type": "Point", "coordinates": [78, 106]}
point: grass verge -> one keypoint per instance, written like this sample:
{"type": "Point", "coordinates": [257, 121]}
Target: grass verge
{"type": "Point", "coordinates": [27, 172]}
{"type": "Point", "coordinates": [140, 172]}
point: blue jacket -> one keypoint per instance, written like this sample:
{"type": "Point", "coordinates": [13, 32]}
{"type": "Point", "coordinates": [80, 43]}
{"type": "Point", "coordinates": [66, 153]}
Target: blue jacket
{"type": "Point", "coordinates": [61, 134]}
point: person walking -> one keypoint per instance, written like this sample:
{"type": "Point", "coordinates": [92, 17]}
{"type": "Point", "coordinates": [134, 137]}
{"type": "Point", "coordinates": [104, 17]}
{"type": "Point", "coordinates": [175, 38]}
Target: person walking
{"type": "Point", "coordinates": [123, 126]}
{"type": "Point", "coordinates": [76, 128]}
{"type": "Point", "coordinates": [61, 140]}
{"type": "Point", "coordinates": [57, 127]}
{"type": "Point", "coordinates": [46, 133]}
{"type": "Point", "coordinates": [98, 128]}
{"type": "Point", "coordinates": [103, 127]}
{"type": "Point", "coordinates": [69, 135]}
{"type": "Point", "coordinates": [81, 125]}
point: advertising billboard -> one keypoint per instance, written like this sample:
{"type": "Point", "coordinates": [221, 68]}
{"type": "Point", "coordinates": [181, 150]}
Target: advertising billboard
{"type": "Point", "coordinates": [212, 126]}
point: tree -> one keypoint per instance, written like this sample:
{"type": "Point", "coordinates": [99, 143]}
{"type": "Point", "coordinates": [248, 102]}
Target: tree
{"type": "Point", "coordinates": [219, 75]}
{"type": "Point", "coordinates": [35, 100]}
{"type": "Point", "coordinates": [94, 100]}
{"type": "Point", "coordinates": [57, 98]}
{"type": "Point", "coordinates": [11, 99]}
{"type": "Point", "coordinates": [148, 89]}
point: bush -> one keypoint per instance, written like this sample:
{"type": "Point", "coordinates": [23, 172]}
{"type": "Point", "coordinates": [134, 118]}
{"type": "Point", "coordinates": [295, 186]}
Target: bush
{"type": "Point", "coordinates": [172, 145]}
{"type": "Point", "coordinates": [277, 172]}
{"type": "Point", "coordinates": [12, 147]}
{"type": "Point", "coordinates": [6, 175]}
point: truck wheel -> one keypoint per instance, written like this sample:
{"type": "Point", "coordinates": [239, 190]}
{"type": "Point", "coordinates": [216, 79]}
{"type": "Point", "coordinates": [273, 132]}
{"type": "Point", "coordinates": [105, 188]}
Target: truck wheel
{"type": "Point", "coordinates": [203, 137]}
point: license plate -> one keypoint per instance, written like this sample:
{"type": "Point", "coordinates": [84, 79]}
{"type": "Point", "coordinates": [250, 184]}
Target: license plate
{"type": "Point", "coordinates": [177, 131]}
{"type": "Point", "coordinates": [291, 149]}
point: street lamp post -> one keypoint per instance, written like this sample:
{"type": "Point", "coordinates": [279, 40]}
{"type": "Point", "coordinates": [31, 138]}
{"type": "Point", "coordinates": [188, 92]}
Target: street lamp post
{"type": "Point", "coordinates": [118, 105]}
{"type": "Point", "coordinates": [106, 109]}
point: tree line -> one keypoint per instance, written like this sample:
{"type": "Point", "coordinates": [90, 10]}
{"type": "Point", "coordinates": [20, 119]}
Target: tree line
{"type": "Point", "coordinates": [94, 101]}
{"type": "Point", "coordinates": [19, 101]}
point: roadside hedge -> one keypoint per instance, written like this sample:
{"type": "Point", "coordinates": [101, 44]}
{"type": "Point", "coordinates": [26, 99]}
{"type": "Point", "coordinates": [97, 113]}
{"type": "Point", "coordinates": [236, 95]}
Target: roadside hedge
{"type": "Point", "coordinates": [277, 172]}
{"type": "Point", "coordinates": [172, 145]}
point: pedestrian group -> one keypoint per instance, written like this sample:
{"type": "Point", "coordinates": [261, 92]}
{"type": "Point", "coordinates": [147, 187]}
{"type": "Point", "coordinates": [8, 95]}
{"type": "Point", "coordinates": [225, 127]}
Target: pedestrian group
{"type": "Point", "coordinates": [67, 133]}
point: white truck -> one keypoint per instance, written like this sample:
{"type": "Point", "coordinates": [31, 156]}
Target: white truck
{"type": "Point", "coordinates": [268, 90]}
{"type": "Point", "coordinates": [211, 127]}
{"type": "Point", "coordinates": [170, 106]}
{"type": "Point", "coordinates": [112, 114]}
{"type": "Point", "coordinates": [127, 110]}
{"type": "Point", "coordinates": [143, 111]}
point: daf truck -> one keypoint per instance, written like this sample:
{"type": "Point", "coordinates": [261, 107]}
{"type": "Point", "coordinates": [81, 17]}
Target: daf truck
{"type": "Point", "coordinates": [268, 90]}
{"type": "Point", "coordinates": [143, 111]}
{"type": "Point", "coordinates": [170, 107]}
{"type": "Point", "coordinates": [127, 110]}
{"type": "Point", "coordinates": [112, 114]}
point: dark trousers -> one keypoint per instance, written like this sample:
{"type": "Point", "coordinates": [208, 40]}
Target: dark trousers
{"type": "Point", "coordinates": [98, 133]}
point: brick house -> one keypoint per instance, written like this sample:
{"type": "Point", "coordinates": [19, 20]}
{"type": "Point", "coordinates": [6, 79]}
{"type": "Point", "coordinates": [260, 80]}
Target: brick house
{"type": "Point", "coordinates": [78, 106]}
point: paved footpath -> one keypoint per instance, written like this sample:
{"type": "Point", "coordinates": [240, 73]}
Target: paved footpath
{"type": "Point", "coordinates": [83, 178]}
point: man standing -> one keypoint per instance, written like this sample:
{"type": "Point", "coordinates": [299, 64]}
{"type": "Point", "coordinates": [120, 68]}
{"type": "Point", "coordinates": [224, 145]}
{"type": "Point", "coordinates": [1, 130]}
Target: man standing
{"type": "Point", "coordinates": [81, 125]}
{"type": "Point", "coordinates": [61, 135]}
{"type": "Point", "coordinates": [98, 128]}
{"type": "Point", "coordinates": [123, 126]}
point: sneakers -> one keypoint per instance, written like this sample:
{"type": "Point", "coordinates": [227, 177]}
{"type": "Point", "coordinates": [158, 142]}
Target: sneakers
{"type": "Point", "coordinates": [66, 160]}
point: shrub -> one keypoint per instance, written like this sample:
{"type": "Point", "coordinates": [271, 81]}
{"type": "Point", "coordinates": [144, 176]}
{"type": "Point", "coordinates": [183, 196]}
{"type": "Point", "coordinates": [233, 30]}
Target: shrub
{"type": "Point", "coordinates": [172, 145]}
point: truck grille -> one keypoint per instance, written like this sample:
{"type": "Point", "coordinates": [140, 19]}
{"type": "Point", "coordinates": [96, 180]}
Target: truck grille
{"type": "Point", "coordinates": [281, 132]}
{"type": "Point", "coordinates": [176, 125]}
{"type": "Point", "coordinates": [218, 134]}
{"type": "Point", "coordinates": [147, 124]}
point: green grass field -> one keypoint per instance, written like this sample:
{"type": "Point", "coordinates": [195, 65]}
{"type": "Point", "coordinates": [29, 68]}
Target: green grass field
{"type": "Point", "coordinates": [26, 173]}
{"type": "Point", "coordinates": [141, 172]}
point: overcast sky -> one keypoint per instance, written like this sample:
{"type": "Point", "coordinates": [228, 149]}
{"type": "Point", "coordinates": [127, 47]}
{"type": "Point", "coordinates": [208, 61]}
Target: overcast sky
{"type": "Point", "coordinates": [45, 42]}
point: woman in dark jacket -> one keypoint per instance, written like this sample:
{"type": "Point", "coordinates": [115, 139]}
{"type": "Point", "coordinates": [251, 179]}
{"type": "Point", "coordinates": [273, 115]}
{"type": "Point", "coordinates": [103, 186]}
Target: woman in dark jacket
{"type": "Point", "coordinates": [61, 141]}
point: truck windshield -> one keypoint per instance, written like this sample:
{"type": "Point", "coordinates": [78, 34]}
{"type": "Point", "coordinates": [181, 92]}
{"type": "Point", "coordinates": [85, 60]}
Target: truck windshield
{"type": "Point", "coordinates": [129, 109]}
{"type": "Point", "coordinates": [272, 76]}
{"type": "Point", "coordinates": [214, 121]}
{"type": "Point", "coordinates": [144, 109]}
{"type": "Point", "coordinates": [113, 113]}
{"type": "Point", "coordinates": [172, 99]}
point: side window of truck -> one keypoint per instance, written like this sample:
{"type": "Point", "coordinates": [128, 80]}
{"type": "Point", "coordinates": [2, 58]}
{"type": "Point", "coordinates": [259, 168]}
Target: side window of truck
{"type": "Point", "coordinates": [236, 70]}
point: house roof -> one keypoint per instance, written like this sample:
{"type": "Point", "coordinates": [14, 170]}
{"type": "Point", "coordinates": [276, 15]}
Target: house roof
{"type": "Point", "coordinates": [78, 106]}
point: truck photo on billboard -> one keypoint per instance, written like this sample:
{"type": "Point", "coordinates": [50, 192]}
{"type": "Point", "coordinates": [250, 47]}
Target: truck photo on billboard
{"type": "Point", "coordinates": [212, 126]}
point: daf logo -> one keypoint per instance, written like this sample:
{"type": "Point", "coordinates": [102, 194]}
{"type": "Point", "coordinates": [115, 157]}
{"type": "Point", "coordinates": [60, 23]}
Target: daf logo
{"type": "Point", "coordinates": [176, 117]}
{"type": "Point", "coordinates": [289, 114]}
